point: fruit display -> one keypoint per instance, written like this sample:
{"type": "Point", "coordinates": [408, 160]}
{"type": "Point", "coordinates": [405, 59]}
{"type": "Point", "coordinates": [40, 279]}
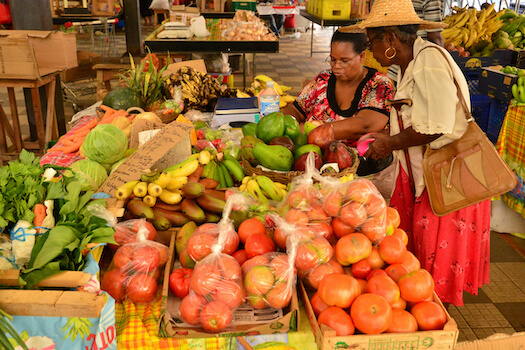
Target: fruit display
{"type": "Point", "coordinates": [263, 188]}
{"type": "Point", "coordinates": [245, 25]}
{"type": "Point", "coordinates": [259, 84]}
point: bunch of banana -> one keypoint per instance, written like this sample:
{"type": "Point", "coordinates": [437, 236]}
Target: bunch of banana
{"type": "Point", "coordinates": [199, 90]}
{"type": "Point", "coordinates": [259, 83]}
{"type": "Point", "coordinates": [224, 169]}
{"type": "Point", "coordinates": [467, 27]}
{"type": "Point", "coordinates": [263, 188]}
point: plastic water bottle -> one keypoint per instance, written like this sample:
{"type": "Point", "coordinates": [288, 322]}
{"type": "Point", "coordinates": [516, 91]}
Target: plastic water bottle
{"type": "Point", "coordinates": [269, 99]}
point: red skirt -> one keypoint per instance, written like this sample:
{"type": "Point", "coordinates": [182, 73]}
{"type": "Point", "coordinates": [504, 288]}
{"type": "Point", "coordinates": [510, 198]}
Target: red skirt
{"type": "Point", "coordinates": [454, 248]}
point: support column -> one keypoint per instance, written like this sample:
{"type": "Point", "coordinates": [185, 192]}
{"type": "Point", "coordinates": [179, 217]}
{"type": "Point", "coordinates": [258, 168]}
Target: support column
{"type": "Point", "coordinates": [133, 30]}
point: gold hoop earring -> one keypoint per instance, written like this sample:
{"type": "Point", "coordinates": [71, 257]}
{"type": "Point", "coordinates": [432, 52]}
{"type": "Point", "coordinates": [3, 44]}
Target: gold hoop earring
{"type": "Point", "coordinates": [393, 55]}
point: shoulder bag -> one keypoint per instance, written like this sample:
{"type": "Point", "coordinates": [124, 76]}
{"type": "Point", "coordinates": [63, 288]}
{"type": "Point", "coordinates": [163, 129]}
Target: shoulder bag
{"type": "Point", "coordinates": [466, 171]}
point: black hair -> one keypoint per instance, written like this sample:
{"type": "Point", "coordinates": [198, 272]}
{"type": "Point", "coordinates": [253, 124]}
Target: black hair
{"type": "Point", "coordinates": [407, 34]}
{"type": "Point", "coordinates": [358, 40]}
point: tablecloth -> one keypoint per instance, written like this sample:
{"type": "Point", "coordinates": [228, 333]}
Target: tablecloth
{"type": "Point", "coordinates": [277, 10]}
{"type": "Point", "coordinates": [511, 146]}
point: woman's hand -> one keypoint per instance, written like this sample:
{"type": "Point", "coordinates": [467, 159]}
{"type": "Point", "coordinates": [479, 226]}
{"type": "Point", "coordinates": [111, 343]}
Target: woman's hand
{"type": "Point", "coordinates": [380, 148]}
{"type": "Point", "coordinates": [322, 135]}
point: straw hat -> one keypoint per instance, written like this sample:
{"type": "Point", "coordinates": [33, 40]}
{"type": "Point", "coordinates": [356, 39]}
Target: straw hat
{"type": "Point", "coordinates": [386, 13]}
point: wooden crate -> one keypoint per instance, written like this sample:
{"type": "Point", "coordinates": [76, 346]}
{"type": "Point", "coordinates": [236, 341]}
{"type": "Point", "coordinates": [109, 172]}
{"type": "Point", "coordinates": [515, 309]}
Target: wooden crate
{"type": "Point", "coordinates": [326, 338]}
{"type": "Point", "coordinates": [103, 7]}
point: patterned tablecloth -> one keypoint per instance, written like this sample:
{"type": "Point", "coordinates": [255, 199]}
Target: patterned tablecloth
{"type": "Point", "coordinates": [511, 146]}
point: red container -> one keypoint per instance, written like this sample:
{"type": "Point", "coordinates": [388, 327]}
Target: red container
{"type": "Point", "coordinates": [289, 21]}
{"type": "Point", "coordinates": [5, 14]}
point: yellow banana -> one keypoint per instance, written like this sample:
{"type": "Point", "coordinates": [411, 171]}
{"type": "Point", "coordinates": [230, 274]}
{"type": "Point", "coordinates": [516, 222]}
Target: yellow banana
{"type": "Point", "coordinates": [242, 94]}
{"type": "Point", "coordinates": [288, 98]}
{"type": "Point", "coordinates": [472, 39]}
{"type": "Point", "coordinates": [126, 190]}
{"type": "Point", "coordinates": [163, 180]}
{"type": "Point", "coordinates": [482, 17]}
{"type": "Point", "coordinates": [204, 157]}
{"type": "Point", "coordinates": [461, 20]}
{"type": "Point", "coordinates": [186, 170]}
{"type": "Point", "coordinates": [285, 88]}
{"type": "Point", "coordinates": [245, 179]}
{"type": "Point", "coordinates": [154, 189]}
{"type": "Point", "coordinates": [169, 197]}
{"type": "Point", "coordinates": [472, 17]}
{"type": "Point", "coordinates": [263, 79]}
{"type": "Point", "coordinates": [280, 185]}
{"type": "Point", "coordinates": [140, 189]}
{"type": "Point", "coordinates": [176, 183]}
{"type": "Point", "coordinates": [149, 200]}
{"type": "Point", "coordinates": [282, 103]}
{"type": "Point", "coordinates": [253, 188]}
{"type": "Point", "coordinates": [268, 186]}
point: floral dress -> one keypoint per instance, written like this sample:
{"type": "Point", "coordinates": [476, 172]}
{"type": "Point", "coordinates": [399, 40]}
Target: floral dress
{"type": "Point", "coordinates": [317, 100]}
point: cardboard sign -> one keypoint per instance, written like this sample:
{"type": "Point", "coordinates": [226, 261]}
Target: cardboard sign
{"type": "Point", "coordinates": [169, 146]}
{"type": "Point", "coordinates": [140, 126]}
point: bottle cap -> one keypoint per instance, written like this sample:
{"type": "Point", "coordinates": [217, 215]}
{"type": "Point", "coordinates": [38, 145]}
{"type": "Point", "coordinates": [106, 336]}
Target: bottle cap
{"type": "Point", "coordinates": [269, 83]}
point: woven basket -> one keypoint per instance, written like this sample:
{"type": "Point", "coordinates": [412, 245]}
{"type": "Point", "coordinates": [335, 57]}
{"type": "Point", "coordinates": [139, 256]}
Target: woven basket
{"type": "Point", "coordinates": [286, 177]}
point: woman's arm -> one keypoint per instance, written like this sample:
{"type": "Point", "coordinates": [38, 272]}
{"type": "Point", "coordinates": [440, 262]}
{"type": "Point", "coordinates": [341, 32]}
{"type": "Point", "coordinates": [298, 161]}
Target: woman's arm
{"type": "Point", "coordinates": [291, 110]}
{"type": "Point", "coordinates": [384, 144]}
{"type": "Point", "coordinates": [365, 121]}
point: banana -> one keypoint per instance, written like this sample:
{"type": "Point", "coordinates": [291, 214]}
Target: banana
{"type": "Point", "coordinates": [233, 166]}
{"type": "Point", "coordinates": [280, 185]}
{"type": "Point", "coordinates": [176, 183]}
{"type": "Point", "coordinates": [285, 88]}
{"type": "Point", "coordinates": [288, 98]}
{"type": "Point", "coordinates": [154, 189]}
{"type": "Point", "coordinates": [263, 79]}
{"type": "Point", "coordinates": [170, 197]}
{"type": "Point", "coordinates": [242, 94]}
{"type": "Point", "coordinates": [228, 180]}
{"type": "Point", "coordinates": [126, 190]}
{"type": "Point", "coordinates": [149, 200]}
{"type": "Point", "coordinates": [267, 185]}
{"type": "Point", "coordinates": [204, 157]}
{"type": "Point", "coordinates": [163, 180]}
{"type": "Point", "coordinates": [245, 179]}
{"type": "Point", "coordinates": [472, 39]}
{"type": "Point", "coordinates": [482, 17]}
{"type": "Point", "coordinates": [184, 162]}
{"type": "Point", "coordinates": [282, 103]}
{"type": "Point", "coordinates": [140, 189]}
{"type": "Point", "coordinates": [472, 17]}
{"type": "Point", "coordinates": [242, 187]}
{"type": "Point", "coordinates": [253, 188]}
{"type": "Point", "coordinates": [149, 177]}
{"type": "Point", "coordinates": [464, 17]}
{"type": "Point", "coordinates": [186, 170]}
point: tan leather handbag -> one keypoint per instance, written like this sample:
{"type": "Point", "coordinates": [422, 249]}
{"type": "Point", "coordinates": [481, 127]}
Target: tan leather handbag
{"type": "Point", "coordinates": [466, 171]}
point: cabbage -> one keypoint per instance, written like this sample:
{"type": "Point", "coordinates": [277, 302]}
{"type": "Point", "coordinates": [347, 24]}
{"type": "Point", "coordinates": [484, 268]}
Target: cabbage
{"type": "Point", "coordinates": [90, 174]}
{"type": "Point", "coordinates": [105, 144]}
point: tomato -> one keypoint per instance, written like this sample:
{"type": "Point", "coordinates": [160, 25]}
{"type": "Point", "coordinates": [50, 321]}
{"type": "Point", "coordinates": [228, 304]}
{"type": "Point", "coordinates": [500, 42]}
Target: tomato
{"type": "Point", "coordinates": [256, 301]}
{"type": "Point", "coordinates": [249, 227]}
{"type": "Point", "coordinates": [229, 267]}
{"type": "Point", "coordinates": [324, 249]}
{"type": "Point", "coordinates": [410, 261]}
{"type": "Point", "coordinates": [351, 248]}
{"type": "Point", "coordinates": [142, 225]}
{"type": "Point", "coordinates": [401, 234]}
{"type": "Point", "coordinates": [362, 284]}
{"type": "Point", "coordinates": [429, 315]}
{"type": "Point", "coordinates": [256, 260]}
{"type": "Point", "coordinates": [199, 245]}
{"type": "Point", "coordinates": [337, 319]}
{"type": "Point", "coordinates": [323, 229]}
{"type": "Point", "coordinates": [279, 238]}
{"type": "Point", "coordinates": [375, 260]}
{"type": "Point", "coordinates": [354, 214]}
{"type": "Point", "coordinates": [180, 282]}
{"type": "Point", "coordinates": [360, 190]}
{"type": "Point", "coordinates": [400, 304]}
{"type": "Point", "coordinates": [416, 286]}
{"type": "Point", "coordinates": [317, 304]}
{"type": "Point", "coordinates": [374, 273]}
{"type": "Point", "coordinates": [240, 256]}
{"type": "Point", "coordinates": [122, 257]}
{"type": "Point", "coordinates": [229, 292]}
{"type": "Point", "coordinates": [279, 296]}
{"type": "Point", "coordinates": [402, 322]}
{"type": "Point", "coordinates": [205, 279]}
{"type": "Point", "coordinates": [216, 316]}
{"type": "Point", "coordinates": [296, 217]}
{"type": "Point", "coordinates": [361, 269]}
{"type": "Point", "coordinates": [163, 253]}
{"type": "Point", "coordinates": [317, 214]}
{"type": "Point", "coordinates": [316, 275]}
{"type": "Point", "coordinates": [376, 207]}
{"type": "Point", "coordinates": [190, 308]}
{"type": "Point", "coordinates": [393, 220]}
{"type": "Point", "coordinates": [141, 288]}
{"type": "Point", "coordinates": [333, 203]}
{"type": "Point", "coordinates": [258, 244]}
{"type": "Point", "coordinates": [281, 268]}
{"type": "Point", "coordinates": [374, 229]}
{"type": "Point", "coordinates": [396, 270]}
{"type": "Point", "coordinates": [259, 280]}
{"type": "Point", "coordinates": [340, 228]}
{"type": "Point", "coordinates": [145, 259]}
{"type": "Point", "coordinates": [114, 282]}
{"type": "Point", "coordinates": [339, 289]}
{"type": "Point", "coordinates": [371, 313]}
{"type": "Point", "coordinates": [392, 249]}
{"type": "Point", "coordinates": [123, 235]}
{"type": "Point", "coordinates": [384, 286]}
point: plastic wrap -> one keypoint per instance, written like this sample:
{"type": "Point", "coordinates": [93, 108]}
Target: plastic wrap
{"type": "Point", "coordinates": [7, 260]}
{"type": "Point", "coordinates": [219, 140]}
{"type": "Point", "coordinates": [135, 270]}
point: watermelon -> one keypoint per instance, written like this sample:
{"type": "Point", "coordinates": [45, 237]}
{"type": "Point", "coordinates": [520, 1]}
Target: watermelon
{"type": "Point", "coordinates": [122, 98]}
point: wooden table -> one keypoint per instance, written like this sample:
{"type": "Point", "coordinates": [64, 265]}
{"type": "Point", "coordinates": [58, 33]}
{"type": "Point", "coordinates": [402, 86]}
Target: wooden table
{"type": "Point", "coordinates": [323, 23]}
{"type": "Point", "coordinates": [11, 129]}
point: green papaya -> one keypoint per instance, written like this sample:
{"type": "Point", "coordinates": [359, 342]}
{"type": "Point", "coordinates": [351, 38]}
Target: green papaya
{"type": "Point", "coordinates": [247, 143]}
{"type": "Point", "coordinates": [270, 126]}
{"type": "Point", "coordinates": [308, 148]}
{"type": "Point", "coordinates": [291, 126]}
{"type": "Point", "coordinates": [300, 140]}
{"type": "Point", "coordinates": [275, 157]}
{"type": "Point", "coordinates": [249, 129]}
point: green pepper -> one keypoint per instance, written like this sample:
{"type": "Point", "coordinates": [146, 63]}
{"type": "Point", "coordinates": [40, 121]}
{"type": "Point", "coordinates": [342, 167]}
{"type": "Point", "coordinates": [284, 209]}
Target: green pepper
{"type": "Point", "coordinates": [249, 129]}
{"type": "Point", "coordinates": [270, 126]}
{"type": "Point", "coordinates": [291, 127]}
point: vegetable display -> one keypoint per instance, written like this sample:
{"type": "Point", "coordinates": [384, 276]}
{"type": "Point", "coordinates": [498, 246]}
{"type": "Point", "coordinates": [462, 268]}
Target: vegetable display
{"type": "Point", "coordinates": [105, 144]}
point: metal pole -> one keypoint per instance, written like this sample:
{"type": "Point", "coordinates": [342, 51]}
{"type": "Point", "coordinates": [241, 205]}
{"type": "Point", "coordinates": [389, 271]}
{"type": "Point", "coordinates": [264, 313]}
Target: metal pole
{"type": "Point", "coordinates": [133, 32]}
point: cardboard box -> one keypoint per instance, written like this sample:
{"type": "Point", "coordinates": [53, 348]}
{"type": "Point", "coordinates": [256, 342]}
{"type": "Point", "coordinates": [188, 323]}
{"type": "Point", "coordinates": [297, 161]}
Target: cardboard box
{"type": "Point", "coordinates": [86, 60]}
{"type": "Point", "coordinates": [288, 322]}
{"type": "Point", "coordinates": [496, 341]}
{"type": "Point", "coordinates": [183, 17]}
{"type": "Point", "coordinates": [496, 84]}
{"type": "Point", "coordinates": [433, 340]}
{"type": "Point", "coordinates": [473, 64]}
{"type": "Point", "coordinates": [167, 147]}
{"type": "Point", "coordinates": [28, 54]}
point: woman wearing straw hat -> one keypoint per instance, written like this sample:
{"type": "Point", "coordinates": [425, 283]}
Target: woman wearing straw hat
{"type": "Point", "coordinates": [453, 248]}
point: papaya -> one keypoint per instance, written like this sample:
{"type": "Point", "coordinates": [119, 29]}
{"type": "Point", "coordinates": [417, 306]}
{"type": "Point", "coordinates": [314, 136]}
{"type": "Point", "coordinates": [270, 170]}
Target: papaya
{"type": "Point", "coordinates": [275, 157]}
{"type": "Point", "coordinates": [300, 140]}
{"type": "Point", "coordinates": [247, 143]}
{"type": "Point", "coordinates": [270, 126]}
{"type": "Point", "coordinates": [291, 127]}
{"type": "Point", "coordinates": [248, 129]}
